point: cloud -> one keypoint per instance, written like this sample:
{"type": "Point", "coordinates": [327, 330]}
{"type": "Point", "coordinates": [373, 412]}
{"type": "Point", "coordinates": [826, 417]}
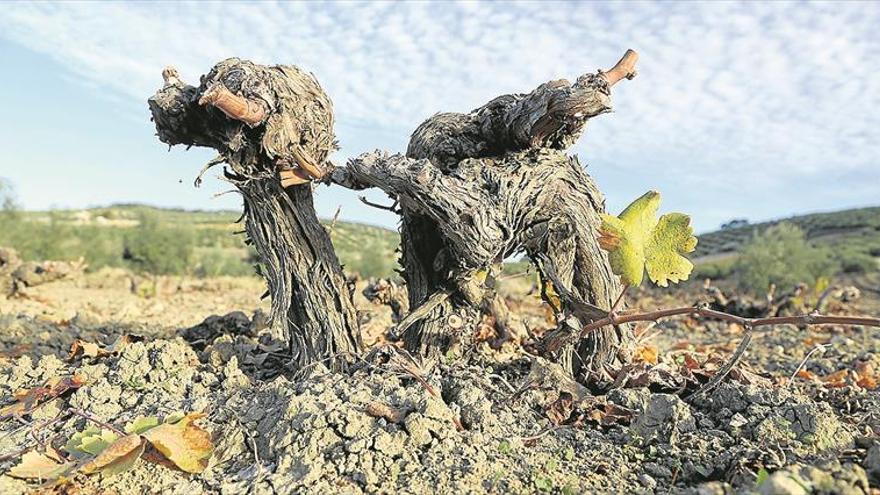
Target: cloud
{"type": "Point", "coordinates": [730, 97]}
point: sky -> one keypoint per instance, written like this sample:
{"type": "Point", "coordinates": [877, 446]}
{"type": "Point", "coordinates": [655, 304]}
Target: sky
{"type": "Point", "coordinates": [740, 110]}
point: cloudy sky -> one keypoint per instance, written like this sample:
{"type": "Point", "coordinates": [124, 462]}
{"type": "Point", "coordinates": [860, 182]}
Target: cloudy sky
{"type": "Point", "coordinates": [739, 110]}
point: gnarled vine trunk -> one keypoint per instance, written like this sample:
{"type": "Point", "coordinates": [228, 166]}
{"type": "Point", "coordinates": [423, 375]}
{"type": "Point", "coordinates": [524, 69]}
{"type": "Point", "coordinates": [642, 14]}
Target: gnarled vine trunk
{"type": "Point", "coordinates": [289, 117]}
{"type": "Point", "coordinates": [473, 189]}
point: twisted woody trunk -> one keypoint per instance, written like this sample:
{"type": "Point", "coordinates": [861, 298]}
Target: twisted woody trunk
{"type": "Point", "coordinates": [473, 189]}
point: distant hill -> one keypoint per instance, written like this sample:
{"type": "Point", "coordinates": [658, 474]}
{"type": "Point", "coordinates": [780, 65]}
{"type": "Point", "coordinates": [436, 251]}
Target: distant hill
{"type": "Point", "coordinates": [98, 234]}
{"type": "Point", "coordinates": [855, 229]}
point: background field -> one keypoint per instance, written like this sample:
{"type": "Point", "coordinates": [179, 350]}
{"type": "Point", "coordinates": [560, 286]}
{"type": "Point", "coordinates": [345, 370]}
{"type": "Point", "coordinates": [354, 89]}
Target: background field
{"type": "Point", "coordinates": [202, 243]}
{"type": "Point", "coordinates": [205, 243]}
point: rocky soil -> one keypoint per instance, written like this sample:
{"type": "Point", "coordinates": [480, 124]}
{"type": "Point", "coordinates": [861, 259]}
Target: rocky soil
{"type": "Point", "coordinates": [494, 422]}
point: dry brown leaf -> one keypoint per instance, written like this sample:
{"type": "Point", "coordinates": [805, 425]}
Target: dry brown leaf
{"type": "Point", "coordinates": [865, 368]}
{"type": "Point", "coordinates": [868, 382]}
{"type": "Point", "coordinates": [183, 443]}
{"type": "Point", "coordinates": [867, 376]}
{"type": "Point", "coordinates": [486, 331]}
{"type": "Point", "coordinates": [120, 456]}
{"type": "Point", "coordinates": [559, 411]}
{"type": "Point", "coordinates": [807, 375]}
{"type": "Point", "coordinates": [29, 399]}
{"type": "Point", "coordinates": [837, 379]}
{"type": "Point", "coordinates": [80, 348]}
{"type": "Point", "coordinates": [36, 465]}
{"type": "Point", "coordinates": [690, 362]}
{"type": "Point", "coordinates": [614, 414]}
{"type": "Point", "coordinates": [153, 456]}
{"type": "Point", "coordinates": [647, 353]}
{"type": "Point", "coordinates": [814, 341]}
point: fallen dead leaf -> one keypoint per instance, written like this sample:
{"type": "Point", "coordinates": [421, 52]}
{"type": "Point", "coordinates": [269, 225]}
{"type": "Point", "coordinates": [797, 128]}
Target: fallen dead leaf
{"type": "Point", "coordinates": [559, 411]}
{"type": "Point", "coordinates": [690, 362]}
{"type": "Point", "coordinates": [29, 399]}
{"type": "Point", "coordinates": [867, 376]}
{"type": "Point", "coordinates": [118, 457]}
{"type": "Point", "coordinates": [80, 348]}
{"type": "Point", "coordinates": [183, 443]}
{"type": "Point", "coordinates": [647, 353]}
{"type": "Point", "coordinates": [89, 442]}
{"type": "Point", "coordinates": [36, 465]}
{"type": "Point", "coordinates": [868, 382]}
{"type": "Point", "coordinates": [807, 375]}
{"type": "Point", "coordinates": [837, 379]}
{"type": "Point", "coordinates": [614, 414]}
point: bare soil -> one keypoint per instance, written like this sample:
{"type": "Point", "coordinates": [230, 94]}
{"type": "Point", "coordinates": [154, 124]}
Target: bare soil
{"type": "Point", "coordinates": [494, 421]}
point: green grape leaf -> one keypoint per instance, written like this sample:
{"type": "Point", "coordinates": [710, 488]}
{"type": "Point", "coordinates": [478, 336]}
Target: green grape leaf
{"type": "Point", "coordinates": [142, 424]}
{"type": "Point", "coordinates": [637, 241]}
{"type": "Point", "coordinates": [89, 442]}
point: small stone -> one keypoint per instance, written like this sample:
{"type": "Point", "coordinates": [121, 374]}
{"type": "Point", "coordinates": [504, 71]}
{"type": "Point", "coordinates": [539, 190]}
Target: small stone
{"type": "Point", "coordinates": [388, 443]}
{"type": "Point", "coordinates": [418, 430]}
{"type": "Point", "coordinates": [782, 483]}
{"type": "Point", "coordinates": [665, 417]}
{"type": "Point", "coordinates": [872, 463]}
{"type": "Point", "coordinates": [647, 481]}
{"type": "Point", "coordinates": [738, 421]}
{"type": "Point", "coordinates": [631, 398]}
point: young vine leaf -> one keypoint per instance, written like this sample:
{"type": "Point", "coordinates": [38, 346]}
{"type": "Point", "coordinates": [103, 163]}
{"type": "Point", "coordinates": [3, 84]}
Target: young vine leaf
{"type": "Point", "coordinates": [637, 241]}
{"type": "Point", "coordinates": [142, 424]}
{"type": "Point", "coordinates": [89, 442]}
{"type": "Point", "coordinates": [178, 443]}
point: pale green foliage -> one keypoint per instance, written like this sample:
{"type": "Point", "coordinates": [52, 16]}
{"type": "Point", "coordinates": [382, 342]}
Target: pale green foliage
{"type": "Point", "coordinates": [8, 203]}
{"type": "Point", "coordinates": [142, 424]}
{"type": "Point", "coordinates": [96, 450]}
{"type": "Point", "coordinates": [157, 250]}
{"type": "Point", "coordinates": [781, 255]}
{"type": "Point", "coordinates": [637, 241]}
{"type": "Point", "coordinates": [89, 442]}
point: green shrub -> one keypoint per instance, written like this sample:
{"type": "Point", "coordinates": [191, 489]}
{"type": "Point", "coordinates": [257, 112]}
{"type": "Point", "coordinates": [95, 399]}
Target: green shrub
{"type": "Point", "coordinates": [715, 270]}
{"type": "Point", "coordinates": [370, 263]}
{"type": "Point", "coordinates": [855, 261]}
{"type": "Point", "coordinates": [8, 201]}
{"type": "Point", "coordinates": [158, 250]}
{"type": "Point", "coordinates": [217, 262]}
{"type": "Point", "coordinates": [781, 255]}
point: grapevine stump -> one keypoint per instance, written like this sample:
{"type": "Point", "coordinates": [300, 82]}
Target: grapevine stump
{"type": "Point", "coordinates": [473, 189]}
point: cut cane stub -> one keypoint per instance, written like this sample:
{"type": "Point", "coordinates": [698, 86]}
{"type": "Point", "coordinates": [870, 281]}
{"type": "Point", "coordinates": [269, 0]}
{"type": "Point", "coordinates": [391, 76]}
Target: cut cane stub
{"type": "Point", "coordinates": [624, 69]}
{"type": "Point", "coordinates": [294, 177]}
{"type": "Point", "coordinates": [304, 169]}
{"type": "Point", "coordinates": [234, 106]}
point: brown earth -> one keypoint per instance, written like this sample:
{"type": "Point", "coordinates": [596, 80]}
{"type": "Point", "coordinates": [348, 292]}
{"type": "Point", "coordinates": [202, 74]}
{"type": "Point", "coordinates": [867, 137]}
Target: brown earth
{"type": "Point", "coordinates": [468, 426]}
